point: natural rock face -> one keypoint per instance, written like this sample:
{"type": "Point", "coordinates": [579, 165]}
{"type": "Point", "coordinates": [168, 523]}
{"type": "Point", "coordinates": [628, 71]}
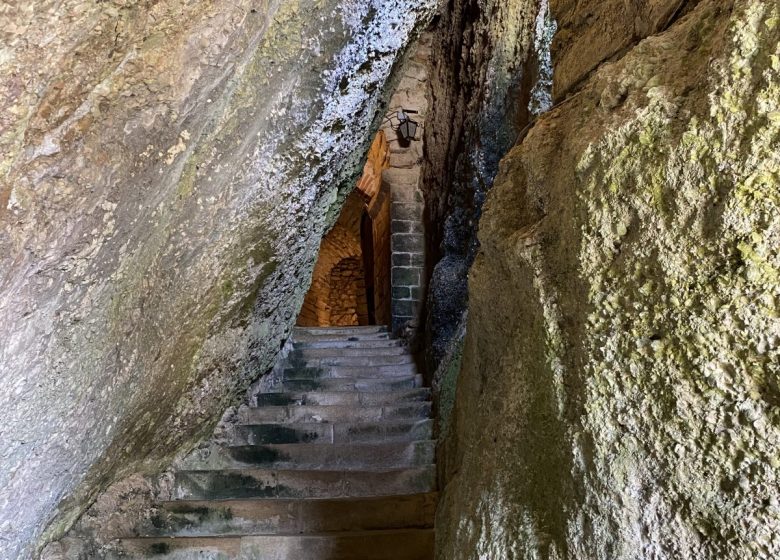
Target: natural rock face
{"type": "Point", "coordinates": [482, 68]}
{"type": "Point", "coordinates": [591, 32]}
{"type": "Point", "coordinates": [620, 385]}
{"type": "Point", "coordinates": [168, 171]}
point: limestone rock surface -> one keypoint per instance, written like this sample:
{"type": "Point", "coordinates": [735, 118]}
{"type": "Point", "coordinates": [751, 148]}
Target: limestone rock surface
{"type": "Point", "coordinates": [167, 170]}
{"type": "Point", "coordinates": [479, 82]}
{"type": "Point", "coordinates": [620, 391]}
{"type": "Point", "coordinates": [590, 33]}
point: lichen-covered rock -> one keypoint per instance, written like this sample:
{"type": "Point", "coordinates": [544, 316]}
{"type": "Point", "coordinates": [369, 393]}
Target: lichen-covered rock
{"type": "Point", "coordinates": [168, 169]}
{"type": "Point", "coordinates": [620, 391]}
{"type": "Point", "coordinates": [591, 32]}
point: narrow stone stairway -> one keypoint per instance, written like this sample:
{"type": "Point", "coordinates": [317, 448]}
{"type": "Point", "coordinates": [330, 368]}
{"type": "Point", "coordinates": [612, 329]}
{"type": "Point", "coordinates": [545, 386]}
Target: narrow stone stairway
{"type": "Point", "coordinates": [332, 461]}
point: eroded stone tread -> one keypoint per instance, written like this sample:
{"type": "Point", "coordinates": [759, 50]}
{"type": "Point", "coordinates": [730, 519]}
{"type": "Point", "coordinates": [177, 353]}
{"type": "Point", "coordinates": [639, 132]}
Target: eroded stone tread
{"type": "Point", "coordinates": [403, 544]}
{"type": "Point", "coordinates": [266, 516]}
{"type": "Point", "coordinates": [357, 384]}
{"type": "Point", "coordinates": [225, 484]}
{"type": "Point", "coordinates": [347, 397]}
{"type": "Point", "coordinates": [325, 433]}
{"type": "Point", "coordinates": [334, 413]}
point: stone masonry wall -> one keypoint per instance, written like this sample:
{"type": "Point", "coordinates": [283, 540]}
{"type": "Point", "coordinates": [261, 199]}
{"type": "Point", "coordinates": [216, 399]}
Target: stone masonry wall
{"type": "Point", "coordinates": [341, 243]}
{"type": "Point", "coordinates": [347, 297]}
{"type": "Point", "coordinates": [344, 242]}
{"type": "Point", "coordinates": [380, 213]}
{"type": "Point", "coordinates": [403, 181]}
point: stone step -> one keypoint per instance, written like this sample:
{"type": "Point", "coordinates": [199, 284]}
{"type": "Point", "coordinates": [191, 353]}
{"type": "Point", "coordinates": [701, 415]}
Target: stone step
{"type": "Point", "coordinates": [316, 343]}
{"type": "Point", "coordinates": [298, 360]}
{"type": "Point", "coordinates": [264, 516]}
{"type": "Point", "coordinates": [344, 332]}
{"type": "Point", "coordinates": [354, 398]}
{"type": "Point", "coordinates": [306, 456]}
{"type": "Point", "coordinates": [399, 544]}
{"type": "Point", "coordinates": [324, 433]}
{"type": "Point", "coordinates": [356, 337]}
{"type": "Point", "coordinates": [331, 372]}
{"type": "Point", "coordinates": [229, 484]}
{"type": "Point", "coordinates": [334, 413]}
{"type": "Point", "coordinates": [366, 385]}
{"type": "Point", "coordinates": [306, 353]}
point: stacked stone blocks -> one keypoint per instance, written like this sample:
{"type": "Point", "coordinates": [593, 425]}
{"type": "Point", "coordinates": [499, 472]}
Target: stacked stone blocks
{"type": "Point", "coordinates": [403, 179]}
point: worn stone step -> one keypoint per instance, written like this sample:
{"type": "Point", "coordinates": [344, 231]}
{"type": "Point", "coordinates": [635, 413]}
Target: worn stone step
{"type": "Point", "coordinates": [335, 372]}
{"type": "Point", "coordinates": [305, 353]}
{"type": "Point", "coordinates": [339, 456]}
{"type": "Point", "coordinates": [324, 433]}
{"type": "Point", "coordinates": [225, 484]}
{"type": "Point", "coordinates": [370, 384]}
{"type": "Point", "coordinates": [334, 413]}
{"type": "Point", "coordinates": [306, 337]}
{"type": "Point", "coordinates": [314, 343]}
{"type": "Point", "coordinates": [377, 398]}
{"type": "Point", "coordinates": [270, 516]}
{"type": "Point", "coordinates": [340, 331]}
{"type": "Point", "coordinates": [297, 360]}
{"type": "Point", "coordinates": [397, 544]}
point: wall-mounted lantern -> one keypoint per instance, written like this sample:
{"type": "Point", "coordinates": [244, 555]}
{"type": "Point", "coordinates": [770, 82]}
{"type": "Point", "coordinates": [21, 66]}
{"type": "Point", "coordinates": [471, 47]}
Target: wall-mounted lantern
{"type": "Point", "coordinates": [407, 129]}
{"type": "Point", "coordinates": [403, 125]}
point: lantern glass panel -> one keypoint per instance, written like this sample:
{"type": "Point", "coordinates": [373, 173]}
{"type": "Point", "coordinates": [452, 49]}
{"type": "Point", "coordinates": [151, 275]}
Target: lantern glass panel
{"type": "Point", "coordinates": [412, 129]}
{"type": "Point", "coordinates": [403, 130]}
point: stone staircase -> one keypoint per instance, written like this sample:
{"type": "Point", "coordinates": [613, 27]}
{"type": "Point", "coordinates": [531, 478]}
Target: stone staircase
{"type": "Point", "coordinates": [333, 461]}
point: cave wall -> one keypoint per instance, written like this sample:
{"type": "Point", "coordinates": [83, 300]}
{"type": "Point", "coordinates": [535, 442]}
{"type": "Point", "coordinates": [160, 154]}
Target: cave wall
{"type": "Point", "coordinates": [619, 396]}
{"type": "Point", "coordinates": [168, 170]}
{"type": "Point", "coordinates": [480, 76]}
{"type": "Point", "coordinates": [589, 33]}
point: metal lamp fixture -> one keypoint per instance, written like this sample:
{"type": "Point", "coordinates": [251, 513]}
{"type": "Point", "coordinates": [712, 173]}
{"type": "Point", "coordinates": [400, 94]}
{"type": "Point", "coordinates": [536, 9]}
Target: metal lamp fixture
{"type": "Point", "coordinates": [403, 125]}
{"type": "Point", "coordinates": [407, 129]}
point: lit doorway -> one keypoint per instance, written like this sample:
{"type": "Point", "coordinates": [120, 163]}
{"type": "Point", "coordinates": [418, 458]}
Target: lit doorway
{"type": "Point", "coordinates": [351, 279]}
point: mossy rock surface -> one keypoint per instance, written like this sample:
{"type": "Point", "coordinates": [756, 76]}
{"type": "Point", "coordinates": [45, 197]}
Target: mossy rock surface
{"type": "Point", "coordinates": [619, 392]}
{"type": "Point", "coordinates": [168, 170]}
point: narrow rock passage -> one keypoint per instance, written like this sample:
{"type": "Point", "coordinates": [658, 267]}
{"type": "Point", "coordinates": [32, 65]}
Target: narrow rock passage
{"type": "Point", "coordinates": [335, 462]}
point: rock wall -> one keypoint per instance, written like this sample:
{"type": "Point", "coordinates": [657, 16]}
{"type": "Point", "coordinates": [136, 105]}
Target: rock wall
{"type": "Point", "coordinates": [480, 78]}
{"type": "Point", "coordinates": [168, 169]}
{"type": "Point", "coordinates": [620, 389]}
{"type": "Point", "coordinates": [593, 32]}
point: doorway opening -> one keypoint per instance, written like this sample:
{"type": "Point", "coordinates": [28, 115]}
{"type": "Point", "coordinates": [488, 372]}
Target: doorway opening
{"type": "Point", "coordinates": [381, 227]}
{"type": "Point", "coordinates": [367, 248]}
{"type": "Point", "coordinates": [351, 280]}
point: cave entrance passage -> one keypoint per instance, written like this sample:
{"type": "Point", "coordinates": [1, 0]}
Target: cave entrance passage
{"type": "Point", "coordinates": [371, 266]}
{"type": "Point", "coordinates": [351, 280]}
